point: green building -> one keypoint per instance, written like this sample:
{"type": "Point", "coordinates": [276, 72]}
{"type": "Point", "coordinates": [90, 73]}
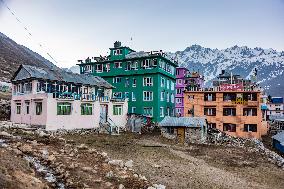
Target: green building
{"type": "Point", "coordinates": [147, 79]}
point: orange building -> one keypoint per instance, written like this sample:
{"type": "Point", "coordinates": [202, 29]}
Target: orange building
{"type": "Point", "coordinates": [237, 113]}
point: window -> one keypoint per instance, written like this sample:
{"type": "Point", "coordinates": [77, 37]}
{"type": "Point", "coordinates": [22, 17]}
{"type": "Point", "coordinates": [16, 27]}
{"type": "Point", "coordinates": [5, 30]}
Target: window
{"type": "Point", "coordinates": [18, 108]}
{"type": "Point", "coordinates": [170, 130]}
{"type": "Point", "coordinates": [209, 111]}
{"type": "Point", "coordinates": [134, 65]}
{"type": "Point", "coordinates": [86, 109]}
{"type": "Point", "coordinates": [179, 81]}
{"type": "Point", "coordinates": [117, 52]}
{"type": "Point", "coordinates": [148, 111]}
{"type": "Point", "coordinates": [172, 86]}
{"type": "Point", "coordinates": [190, 97]}
{"type": "Point", "coordinates": [147, 81]}
{"type": "Point", "coordinates": [162, 112]}
{"type": "Point", "coordinates": [172, 98]}
{"type": "Point", "coordinates": [178, 110]}
{"type": "Point", "coordinates": [229, 96]}
{"type": "Point", "coordinates": [134, 82]}
{"type": "Point", "coordinates": [108, 67]}
{"type": "Point", "coordinates": [168, 111]}
{"type": "Point", "coordinates": [126, 94]}
{"type": "Point", "coordinates": [117, 109]}
{"type": "Point", "coordinates": [128, 66]}
{"type": "Point", "coordinates": [168, 84]}
{"type": "Point", "coordinates": [177, 71]}
{"type": "Point", "coordinates": [211, 125]}
{"type": "Point", "coordinates": [250, 128]}
{"type": "Point", "coordinates": [178, 91]}
{"type": "Point", "coordinates": [250, 96]}
{"type": "Point", "coordinates": [168, 97]}
{"type": "Point", "coordinates": [99, 68]}
{"type": "Point", "coordinates": [27, 107]}
{"type": "Point", "coordinates": [229, 127]}
{"type": "Point", "coordinates": [162, 96]}
{"type": "Point", "coordinates": [63, 108]}
{"type": "Point", "coordinates": [117, 95]}
{"type": "Point", "coordinates": [147, 95]}
{"type": "Point", "coordinates": [249, 112]}
{"type": "Point", "coordinates": [28, 87]}
{"type": "Point", "coordinates": [162, 82]}
{"type": "Point", "coordinates": [229, 111]}
{"type": "Point", "coordinates": [38, 106]}
{"type": "Point", "coordinates": [117, 79]}
{"type": "Point", "coordinates": [133, 96]}
{"type": "Point", "coordinates": [126, 82]}
{"type": "Point", "coordinates": [117, 65]}
{"type": "Point", "coordinates": [210, 97]}
{"type": "Point", "coordinates": [133, 110]}
{"type": "Point", "coordinates": [178, 100]}
{"type": "Point", "coordinates": [145, 63]}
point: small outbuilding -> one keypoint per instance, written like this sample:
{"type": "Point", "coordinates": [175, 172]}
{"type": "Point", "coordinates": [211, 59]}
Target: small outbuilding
{"type": "Point", "coordinates": [278, 142]}
{"type": "Point", "coordinates": [184, 129]}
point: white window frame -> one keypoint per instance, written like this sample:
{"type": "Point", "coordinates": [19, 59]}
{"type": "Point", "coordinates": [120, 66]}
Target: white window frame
{"type": "Point", "coordinates": [133, 109]}
{"type": "Point", "coordinates": [107, 67]}
{"type": "Point", "coordinates": [146, 64]}
{"type": "Point", "coordinates": [172, 86]}
{"type": "Point", "coordinates": [134, 83]}
{"type": "Point", "coordinates": [133, 96]}
{"type": "Point", "coordinates": [97, 68]}
{"type": "Point", "coordinates": [162, 82]}
{"type": "Point", "coordinates": [162, 112]}
{"type": "Point", "coordinates": [162, 96]}
{"type": "Point", "coordinates": [149, 109]}
{"type": "Point", "coordinates": [148, 95]}
{"type": "Point", "coordinates": [168, 97]}
{"type": "Point", "coordinates": [147, 81]}
{"type": "Point", "coordinates": [178, 100]}
{"type": "Point", "coordinates": [119, 65]}
{"type": "Point", "coordinates": [115, 79]}
{"type": "Point", "coordinates": [119, 110]}
{"type": "Point", "coordinates": [168, 84]}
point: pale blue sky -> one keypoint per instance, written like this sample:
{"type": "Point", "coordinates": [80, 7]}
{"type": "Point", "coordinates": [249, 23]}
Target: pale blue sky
{"type": "Point", "coordinates": [72, 30]}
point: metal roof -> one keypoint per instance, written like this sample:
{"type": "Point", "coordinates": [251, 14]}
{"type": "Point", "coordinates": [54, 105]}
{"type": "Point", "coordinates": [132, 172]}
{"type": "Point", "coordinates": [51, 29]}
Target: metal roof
{"type": "Point", "coordinates": [57, 74]}
{"type": "Point", "coordinates": [183, 122]}
{"type": "Point", "coordinates": [279, 137]}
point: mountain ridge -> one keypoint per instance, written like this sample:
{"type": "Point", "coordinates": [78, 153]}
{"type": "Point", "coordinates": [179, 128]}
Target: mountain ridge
{"type": "Point", "coordinates": [239, 60]}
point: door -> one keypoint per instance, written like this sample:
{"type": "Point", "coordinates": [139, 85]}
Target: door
{"type": "Point", "coordinates": [181, 134]}
{"type": "Point", "coordinates": [103, 113]}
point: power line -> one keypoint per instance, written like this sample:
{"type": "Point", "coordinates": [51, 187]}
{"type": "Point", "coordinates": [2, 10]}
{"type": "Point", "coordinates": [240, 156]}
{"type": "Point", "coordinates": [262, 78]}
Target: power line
{"type": "Point", "coordinates": [26, 28]}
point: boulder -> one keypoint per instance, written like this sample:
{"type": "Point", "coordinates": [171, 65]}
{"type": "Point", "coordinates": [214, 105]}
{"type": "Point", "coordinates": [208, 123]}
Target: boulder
{"type": "Point", "coordinates": [129, 164]}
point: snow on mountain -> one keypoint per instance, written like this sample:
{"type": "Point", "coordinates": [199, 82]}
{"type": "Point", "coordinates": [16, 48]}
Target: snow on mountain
{"type": "Point", "coordinates": [239, 60]}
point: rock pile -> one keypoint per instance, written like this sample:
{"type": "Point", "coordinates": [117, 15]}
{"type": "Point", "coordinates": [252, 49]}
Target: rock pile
{"type": "Point", "coordinates": [218, 137]}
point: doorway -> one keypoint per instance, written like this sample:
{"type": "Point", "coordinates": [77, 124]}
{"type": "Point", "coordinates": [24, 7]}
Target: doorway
{"type": "Point", "coordinates": [181, 134]}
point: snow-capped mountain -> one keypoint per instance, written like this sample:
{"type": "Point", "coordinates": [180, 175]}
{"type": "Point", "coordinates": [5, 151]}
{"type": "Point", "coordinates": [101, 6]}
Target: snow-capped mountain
{"type": "Point", "coordinates": [238, 60]}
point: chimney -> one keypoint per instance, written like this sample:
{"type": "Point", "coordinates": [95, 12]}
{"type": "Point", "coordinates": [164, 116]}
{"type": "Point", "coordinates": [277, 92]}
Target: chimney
{"type": "Point", "coordinates": [223, 72]}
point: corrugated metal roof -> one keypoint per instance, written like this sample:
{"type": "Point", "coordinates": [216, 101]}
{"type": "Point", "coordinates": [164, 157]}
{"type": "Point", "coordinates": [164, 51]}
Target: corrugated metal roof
{"type": "Point", "coordinates": [183, 122]}
{"type": "Point", "coordinates": [279, 137]}
{"type": "Point", "coordinates": [57, 74]}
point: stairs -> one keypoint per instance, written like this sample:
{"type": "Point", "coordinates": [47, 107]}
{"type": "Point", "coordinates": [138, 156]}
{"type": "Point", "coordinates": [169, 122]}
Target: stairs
{"type": "Point", "coordinates": [109, 127]}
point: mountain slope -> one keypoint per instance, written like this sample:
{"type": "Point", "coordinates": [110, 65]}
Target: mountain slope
{"type": "Point", "coordinates": [12, 55]}
{"type": "Point", "coordinates": [239, 60]}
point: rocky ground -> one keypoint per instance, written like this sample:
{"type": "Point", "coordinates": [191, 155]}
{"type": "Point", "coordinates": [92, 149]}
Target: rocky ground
{"type": "Point", "coordinates": [84, 159]}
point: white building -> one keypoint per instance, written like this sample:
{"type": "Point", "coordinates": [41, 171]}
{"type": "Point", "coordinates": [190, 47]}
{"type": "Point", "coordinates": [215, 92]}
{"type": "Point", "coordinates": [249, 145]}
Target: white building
{"type": "Point", "coordinates": [56, 99]}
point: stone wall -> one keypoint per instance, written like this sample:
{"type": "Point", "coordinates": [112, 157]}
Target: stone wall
{"type": "Point", "coordinates": [167, 135]}
{"type": "Point", "coordinates": [194, 135]}
{"type": "Point", "coordinates": [5, 109]}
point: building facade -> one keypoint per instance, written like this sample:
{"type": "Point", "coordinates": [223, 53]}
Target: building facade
{"type": "Point", "coordinates": [147, 79]}
{"type": "Point", "coordinates": [181, 74]}
{"type": "Point", "coordinates": [275, 106]}
{"type": "Point", "coordinates": [237, 113]}
{"type": "Point", "coordinates": [194, 81]}
{"type": "Point", "coordinates": [55, 99]}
